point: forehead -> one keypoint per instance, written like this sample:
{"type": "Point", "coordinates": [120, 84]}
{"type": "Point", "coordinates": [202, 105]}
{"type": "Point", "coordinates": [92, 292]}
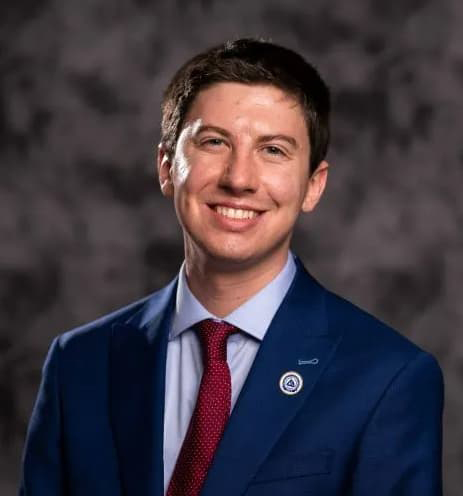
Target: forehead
{"type": "Point", "coordinates": [256, 105]}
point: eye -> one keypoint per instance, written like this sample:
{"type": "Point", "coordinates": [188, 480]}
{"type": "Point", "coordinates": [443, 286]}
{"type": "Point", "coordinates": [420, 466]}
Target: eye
{"type": "Point", "coordinates": [212, 142]}
{"type": "Point", "coordinates": [274, 150]}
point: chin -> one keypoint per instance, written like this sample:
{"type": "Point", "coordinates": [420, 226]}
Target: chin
{"type": "Point", "coordinates": [235, 258]}
{"type": "Point", "coordinates": [226, 256]}
{"type": "Point", "coordinates": [233, 253]}
{"type": "Point", "coordinates": [231, 257]}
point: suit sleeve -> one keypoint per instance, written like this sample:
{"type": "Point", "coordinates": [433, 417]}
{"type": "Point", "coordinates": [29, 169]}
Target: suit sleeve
{"type": "Point", "coordinates": [400, 450]}
{"type": "Point", "coordinates": [42, 460]}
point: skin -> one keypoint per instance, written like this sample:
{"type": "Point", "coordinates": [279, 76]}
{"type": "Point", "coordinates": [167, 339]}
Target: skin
{"type": "Point", "coordinates": [242, 146]}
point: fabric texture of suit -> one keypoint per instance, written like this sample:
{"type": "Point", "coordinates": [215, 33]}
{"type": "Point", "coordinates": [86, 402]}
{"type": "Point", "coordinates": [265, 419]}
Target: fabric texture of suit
{"type": "Point", "coordinates": [367, 420]}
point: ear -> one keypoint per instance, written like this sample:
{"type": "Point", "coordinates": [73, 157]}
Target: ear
{"type": "Point", "coordinates": [315, 187]}
{"type": "Point", "coordinates": [164, 165]}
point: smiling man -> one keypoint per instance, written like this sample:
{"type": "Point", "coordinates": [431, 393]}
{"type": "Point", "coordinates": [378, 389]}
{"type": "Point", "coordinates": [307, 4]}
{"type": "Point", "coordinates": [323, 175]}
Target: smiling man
{"type": "Point", "coordinates": [239, 177]}
{"type": "Point", "coordinates": [244, 376]}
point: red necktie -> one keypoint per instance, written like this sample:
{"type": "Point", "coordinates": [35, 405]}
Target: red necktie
{"type": "Point", "coordinates": [210, 414]}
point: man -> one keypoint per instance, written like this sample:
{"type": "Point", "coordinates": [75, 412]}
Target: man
{"type": "Point", "coordinates": [324, 398]}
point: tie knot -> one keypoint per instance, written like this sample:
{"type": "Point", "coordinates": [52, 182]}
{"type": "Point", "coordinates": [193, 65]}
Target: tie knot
{"type": "Point", "coordinates": [213, 335]}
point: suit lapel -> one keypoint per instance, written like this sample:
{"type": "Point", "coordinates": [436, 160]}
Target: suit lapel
{"type": "Point", "coordinates": [262, 412]}
{"type": "Point", "coordinates": [138, 357]}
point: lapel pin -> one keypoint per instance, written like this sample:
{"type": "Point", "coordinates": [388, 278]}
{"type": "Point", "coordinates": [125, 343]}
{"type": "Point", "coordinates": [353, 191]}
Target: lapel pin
{"type": "Point", "coordinates": [291, 383]}
{"type": "Point", "coordinates": [314, 361]}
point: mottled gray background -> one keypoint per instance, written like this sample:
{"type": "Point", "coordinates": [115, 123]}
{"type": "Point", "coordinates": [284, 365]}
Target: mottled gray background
{"type": "Point", "coordinates": [84, 228]}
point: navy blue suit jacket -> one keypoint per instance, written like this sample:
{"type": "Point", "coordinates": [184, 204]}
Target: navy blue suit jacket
{"type": "Point", "coordinates": [367, 420]}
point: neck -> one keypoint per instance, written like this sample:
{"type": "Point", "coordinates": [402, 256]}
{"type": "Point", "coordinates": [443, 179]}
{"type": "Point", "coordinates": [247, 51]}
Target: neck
{"type": "Point", "coordinates": [221, 292]}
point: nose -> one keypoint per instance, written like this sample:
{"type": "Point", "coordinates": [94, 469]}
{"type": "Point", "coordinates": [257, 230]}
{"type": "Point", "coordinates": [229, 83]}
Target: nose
{"type": "Point", "coordinates": [240, 173]}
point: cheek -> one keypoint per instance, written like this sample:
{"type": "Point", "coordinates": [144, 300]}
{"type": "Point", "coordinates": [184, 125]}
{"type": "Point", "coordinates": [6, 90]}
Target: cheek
{"type": "Point", "coordinates": [285, 189]}
{"type": "Point", "coordinates": [192, 179]}
{"type": "Point", "coordinates": [182, 170]}
{"type": "Point", "coordinates": [183, 158]}
{"type": "Point", "coordinates": [194, 171]}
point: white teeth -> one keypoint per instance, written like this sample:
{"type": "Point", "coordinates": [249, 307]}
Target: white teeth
{"type": "Point", "coordinates": [236, 213]}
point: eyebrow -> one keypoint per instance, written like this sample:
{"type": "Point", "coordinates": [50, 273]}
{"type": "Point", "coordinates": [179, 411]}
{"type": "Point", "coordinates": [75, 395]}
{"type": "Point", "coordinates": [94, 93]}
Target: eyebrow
{"type": "Point", "coordinates": [279, 137]}
{"type": "Point", "coordinates": [215, 129]}
{"type": "Point", "coordinates": [262, 139]}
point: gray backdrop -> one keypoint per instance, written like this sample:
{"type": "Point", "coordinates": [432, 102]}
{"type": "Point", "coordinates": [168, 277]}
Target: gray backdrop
{"type": "Point", "coordinates": [84, 228]}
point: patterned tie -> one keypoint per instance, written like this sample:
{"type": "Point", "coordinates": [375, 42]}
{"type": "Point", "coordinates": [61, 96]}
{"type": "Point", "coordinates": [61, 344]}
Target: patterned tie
{"type": "Point", "coordinates": [211, 411]}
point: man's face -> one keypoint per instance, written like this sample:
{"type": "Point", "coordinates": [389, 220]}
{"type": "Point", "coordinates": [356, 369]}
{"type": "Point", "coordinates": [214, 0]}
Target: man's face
{"type": "Point", "coordinates": [240, 173]}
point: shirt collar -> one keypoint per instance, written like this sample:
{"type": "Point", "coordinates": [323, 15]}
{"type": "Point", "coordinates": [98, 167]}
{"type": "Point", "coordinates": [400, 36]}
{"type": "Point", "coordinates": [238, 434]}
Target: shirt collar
{"type": "Point", "coordinates": [253, 316]}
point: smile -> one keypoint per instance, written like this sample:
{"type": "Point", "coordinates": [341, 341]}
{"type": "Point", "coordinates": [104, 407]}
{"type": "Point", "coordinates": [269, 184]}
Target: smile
{"type": "Point", "coordinates": [236, 213]}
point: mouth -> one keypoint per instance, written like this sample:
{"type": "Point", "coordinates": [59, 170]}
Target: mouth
{"type": "Point", "coordinates": [236, 213]}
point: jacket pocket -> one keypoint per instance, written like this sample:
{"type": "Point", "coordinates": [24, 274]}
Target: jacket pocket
{"type": "Point", "coordinates": [289, 466]}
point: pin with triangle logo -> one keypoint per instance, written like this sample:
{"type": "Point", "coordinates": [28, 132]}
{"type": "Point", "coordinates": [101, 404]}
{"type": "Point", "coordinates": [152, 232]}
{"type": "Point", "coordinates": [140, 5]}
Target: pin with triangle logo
{"type": "Point", "coordinates": [291, 383]}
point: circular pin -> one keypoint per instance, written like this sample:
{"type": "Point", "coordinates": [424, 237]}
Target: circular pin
{"type": "Point", "coordinates": [291, 382]}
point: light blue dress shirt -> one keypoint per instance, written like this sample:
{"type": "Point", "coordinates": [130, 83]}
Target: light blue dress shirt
{"type": "Point", "coordinates": [184, 363]}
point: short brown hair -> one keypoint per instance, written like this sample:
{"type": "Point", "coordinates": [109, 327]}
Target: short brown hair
{"type": "Point", "coordinates": [250, 61]}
